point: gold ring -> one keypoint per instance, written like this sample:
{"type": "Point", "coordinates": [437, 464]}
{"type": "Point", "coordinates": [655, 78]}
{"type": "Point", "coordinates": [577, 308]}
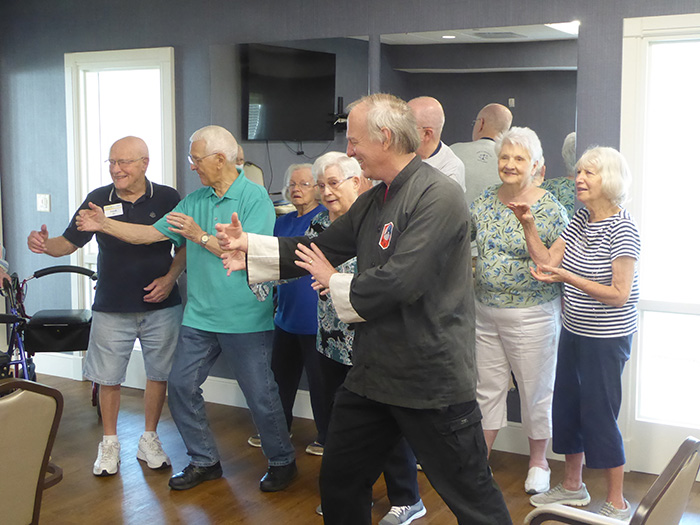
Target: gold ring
{"type": "Point", "coordinates": [311, 261]}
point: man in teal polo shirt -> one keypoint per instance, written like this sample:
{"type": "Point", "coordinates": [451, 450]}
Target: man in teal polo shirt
{"type": "Point", "coordinates": [222, 316]}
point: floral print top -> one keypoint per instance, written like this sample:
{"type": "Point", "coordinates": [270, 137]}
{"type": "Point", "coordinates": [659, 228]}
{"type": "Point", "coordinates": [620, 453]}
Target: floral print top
{"type": "Point", "coordinates": [334, 338]}
{"type": "Point", "coordinates": [564, 190]}
{"type": "Point", "coordinates": [503, 278]}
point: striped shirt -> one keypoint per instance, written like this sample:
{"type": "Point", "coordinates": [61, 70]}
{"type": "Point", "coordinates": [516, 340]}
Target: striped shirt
{"type": "Point", "coordinates": [590, 250]}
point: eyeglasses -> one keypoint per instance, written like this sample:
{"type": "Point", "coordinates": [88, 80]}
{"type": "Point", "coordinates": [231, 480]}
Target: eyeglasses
{"type": "Point", "coordinates": [194, 161]}
{"type": "Point", "coordinates": [332, 184]}
{"type": "Point", "coordinates": [122, 162]}
{"type": "Point", "coordinates": [300, 185]}
{"type": "Point", "coordinates": [476, 120]}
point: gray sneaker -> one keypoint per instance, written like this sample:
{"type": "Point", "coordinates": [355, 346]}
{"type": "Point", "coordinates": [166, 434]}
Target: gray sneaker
{"type": "Point", "coordinates": [619, 514]}
{"type": "Point", "coordinates": [404, 515]}
{"type": "Point", "coordinates": [576, 498]}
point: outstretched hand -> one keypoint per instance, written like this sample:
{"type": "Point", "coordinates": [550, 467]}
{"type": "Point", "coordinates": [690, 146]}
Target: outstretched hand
{"type": "Point", "coordinates": [91, 220]}
{"type": "Point", "coordinates": [231, 236]}
{"type": "Point", "coordinates": [36, 241]}
{"type": "Point", "coordinates": [549, 274]}
{"type": "Point", "coordinates": [313, 261]}
{"type": "Point", "coordinates": [233, 261]}
{"type": "Point", "coordinates": [521, 210]}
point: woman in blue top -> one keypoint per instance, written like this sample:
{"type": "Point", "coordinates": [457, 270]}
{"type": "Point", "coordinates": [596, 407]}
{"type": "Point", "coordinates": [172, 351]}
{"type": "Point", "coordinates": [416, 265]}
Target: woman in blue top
{"type": "Point", "coordinates": [294, 342]}
{"type": "Point", "coordinates": [517, 317]}
{"type": "Point", "coordinates": [596, 259]}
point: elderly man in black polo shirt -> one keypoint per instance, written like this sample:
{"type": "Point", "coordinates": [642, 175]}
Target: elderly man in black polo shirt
{"type": "Point", "coordinates": [413, 305]}
{"type": "Point", "coordinates": [136, 298]}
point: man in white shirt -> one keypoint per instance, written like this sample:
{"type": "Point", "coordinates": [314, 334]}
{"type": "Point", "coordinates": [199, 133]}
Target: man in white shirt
{"type": "Point", "coordinates": [431, 119]}
{"type": "Point", "coordinates": [478, 156]}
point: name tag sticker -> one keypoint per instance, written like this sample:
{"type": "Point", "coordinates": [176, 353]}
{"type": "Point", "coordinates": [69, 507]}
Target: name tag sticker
{"type": "Point", "coordinates": [113, 210]}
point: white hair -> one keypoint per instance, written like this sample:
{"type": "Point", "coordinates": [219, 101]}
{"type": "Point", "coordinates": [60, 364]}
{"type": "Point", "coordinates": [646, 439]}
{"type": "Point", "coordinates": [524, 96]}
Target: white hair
{"type": "Point", "coordinates": [348, 166]}
{"type": "Point", "coordinates": [523, 137]}
{"type": "Point", "coordinates": [613, 170]}
{"type": "Point", "coordinates": [217, 140]}
{"type": "Point", "coordinates": [288, 176]}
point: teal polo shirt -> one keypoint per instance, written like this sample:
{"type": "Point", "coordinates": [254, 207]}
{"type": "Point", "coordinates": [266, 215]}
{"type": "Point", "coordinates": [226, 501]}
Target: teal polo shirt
{"type": "Point", "coordinates": [217, 302]}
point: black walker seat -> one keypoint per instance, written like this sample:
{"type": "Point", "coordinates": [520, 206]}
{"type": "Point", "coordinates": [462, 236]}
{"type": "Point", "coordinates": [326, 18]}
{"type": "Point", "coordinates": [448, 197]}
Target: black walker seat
{"type": "Point", "coordinates": [47, 330]}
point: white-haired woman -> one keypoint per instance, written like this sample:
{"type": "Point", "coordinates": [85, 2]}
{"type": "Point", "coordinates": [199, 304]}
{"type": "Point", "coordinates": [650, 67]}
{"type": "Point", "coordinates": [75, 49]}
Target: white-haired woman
{"type": "Point", "coordinates": [518, 318]}
{"type": "Point", "coordinates": [596, 259]}
{"type": "Point", "coordinates": [339, 181]}
{"type": "Point", "coordinates": [294, 340]}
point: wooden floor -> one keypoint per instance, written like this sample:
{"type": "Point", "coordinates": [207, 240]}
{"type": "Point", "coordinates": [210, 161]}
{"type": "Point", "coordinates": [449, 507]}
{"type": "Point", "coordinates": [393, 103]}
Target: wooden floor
{"type": "Point", "coordinates": [138, 495]}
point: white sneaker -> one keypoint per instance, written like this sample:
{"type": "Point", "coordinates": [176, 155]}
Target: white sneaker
{"type": "Point", "coordinates": [107, 462]}
{"type": "Point", "coordinates": [537, 480]}
{"type": "Point", "coordinates": [151, 451]}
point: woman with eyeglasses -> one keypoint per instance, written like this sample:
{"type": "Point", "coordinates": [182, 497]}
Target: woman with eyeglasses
{"type": "Point", "coordinates": [294, 341]}
{"type": "Point", "coordinates": [339, 181]}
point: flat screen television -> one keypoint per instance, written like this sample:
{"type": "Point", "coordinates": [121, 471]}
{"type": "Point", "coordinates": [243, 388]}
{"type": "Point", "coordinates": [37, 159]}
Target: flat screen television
{"type": "Point", "coordinates": [287, 94]}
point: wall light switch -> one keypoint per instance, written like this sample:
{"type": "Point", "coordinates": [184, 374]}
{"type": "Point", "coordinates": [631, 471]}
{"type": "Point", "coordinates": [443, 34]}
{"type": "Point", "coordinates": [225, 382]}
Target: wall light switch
{"type": "Point", "coordinates": [511, 102]}
{"type": "Point", "coordinates": [43, 202]}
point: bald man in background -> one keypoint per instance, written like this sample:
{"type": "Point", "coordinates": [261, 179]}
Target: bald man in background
{"type": "Point", "coordinates": [431, 118]}
{"type": "Point", "coordinates": [478, 156]}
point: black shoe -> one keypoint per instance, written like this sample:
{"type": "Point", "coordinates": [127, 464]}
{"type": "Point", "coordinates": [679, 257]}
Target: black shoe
{"type": "Point", "coordinates": [278, 478]}
{"type": "Point", "coordinates": [193, 476]}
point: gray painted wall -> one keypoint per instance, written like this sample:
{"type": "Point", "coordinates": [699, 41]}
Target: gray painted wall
{"type": "Point", "coordinates": [34, 35]}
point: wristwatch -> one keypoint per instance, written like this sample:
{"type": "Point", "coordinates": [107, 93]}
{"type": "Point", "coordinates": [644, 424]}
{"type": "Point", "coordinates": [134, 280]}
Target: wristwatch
{"type": "Point", "coordinates": [204, 239]}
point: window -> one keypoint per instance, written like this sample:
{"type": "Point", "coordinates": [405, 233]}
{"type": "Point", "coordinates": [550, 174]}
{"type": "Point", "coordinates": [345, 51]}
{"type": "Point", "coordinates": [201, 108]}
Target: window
{"type": "Point", "coordinates": [110, 95]}
{"type": "Point", "coordinates": [659, 135]}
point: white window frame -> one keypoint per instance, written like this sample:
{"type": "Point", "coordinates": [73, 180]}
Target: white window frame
{"type": "Point", "coordinates": [638, 33]}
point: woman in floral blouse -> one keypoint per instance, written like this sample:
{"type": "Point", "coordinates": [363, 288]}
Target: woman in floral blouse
{"type": "Point", "coordinates": [518, 318]}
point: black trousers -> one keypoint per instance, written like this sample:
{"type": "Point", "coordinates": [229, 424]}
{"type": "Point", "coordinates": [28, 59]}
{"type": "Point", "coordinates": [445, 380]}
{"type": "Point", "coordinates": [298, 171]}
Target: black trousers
{"type": "Point", "coordinates": [291, 354]}
{"type": "Point", "coordinates": [448, 442]}
{"type": "Point", "coordinates": [400, 472]}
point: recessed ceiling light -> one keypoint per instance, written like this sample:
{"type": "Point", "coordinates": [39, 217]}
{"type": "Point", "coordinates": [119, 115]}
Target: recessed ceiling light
{"type": "Point", "coordinates": [448, 36]}
{"type": "Point", "coordinates": [570, 28]}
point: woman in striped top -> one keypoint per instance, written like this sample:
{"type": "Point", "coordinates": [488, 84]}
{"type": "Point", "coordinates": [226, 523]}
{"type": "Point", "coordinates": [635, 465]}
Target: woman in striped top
{"type": "Point", "coordinates": [596, 259]}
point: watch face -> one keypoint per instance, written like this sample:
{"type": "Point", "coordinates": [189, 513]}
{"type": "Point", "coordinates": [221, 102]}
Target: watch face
{"type": "Point", "coordinates": [204, 239]}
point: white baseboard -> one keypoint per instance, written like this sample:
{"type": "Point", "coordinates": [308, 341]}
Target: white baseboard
{"type": "Point", "coordinates": [216, 389]}
{"type": "Point", "coordinates": [68, 364]}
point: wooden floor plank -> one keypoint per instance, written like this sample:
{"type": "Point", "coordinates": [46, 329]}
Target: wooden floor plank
{"type": "Point", "coordinates": [139, 495]}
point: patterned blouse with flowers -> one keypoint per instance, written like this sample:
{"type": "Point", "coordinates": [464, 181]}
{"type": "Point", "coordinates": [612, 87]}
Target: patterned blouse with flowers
{"type": "Point", "coordinates": [503, 278]}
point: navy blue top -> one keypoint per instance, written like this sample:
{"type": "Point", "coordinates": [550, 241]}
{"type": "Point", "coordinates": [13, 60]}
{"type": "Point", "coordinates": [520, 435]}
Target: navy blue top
{"type": "Point", "coordinates": [296, 300]}
{"type": "Point", "coordinates": [125, 269]}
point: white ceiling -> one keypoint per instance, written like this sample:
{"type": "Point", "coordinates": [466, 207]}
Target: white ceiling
{"type": "Point", "coordinates": [486, 35]}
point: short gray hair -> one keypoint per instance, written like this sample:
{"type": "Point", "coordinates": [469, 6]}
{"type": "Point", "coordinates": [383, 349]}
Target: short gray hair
{"type": "Point", "coordinates": [217, 140]}
{"type": "Point", "coordinates": [288, 176]}
{"type": "Point", "coordinates": [386, 111]}
{"type": "Point", "coordinates": [523, 137]}
{"type": "Point", "coordinates": [568, 153]}
{"type": "Point", "coordinates": [613, 170]}
{"type": "Point", "coordinates": [348, 166]}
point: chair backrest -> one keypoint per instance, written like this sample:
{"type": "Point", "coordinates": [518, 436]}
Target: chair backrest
{"type": "Point", "coordinates": [254, 173]}
{"type": "Point", "coordinates": [29, 417]}
{"type": "Point", "coordinates": [665, 502]}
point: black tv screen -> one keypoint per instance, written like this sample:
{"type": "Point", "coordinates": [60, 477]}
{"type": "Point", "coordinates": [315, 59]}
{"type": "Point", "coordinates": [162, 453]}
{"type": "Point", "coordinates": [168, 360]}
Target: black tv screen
{"type": "Point", "coordinates": [288, 94]}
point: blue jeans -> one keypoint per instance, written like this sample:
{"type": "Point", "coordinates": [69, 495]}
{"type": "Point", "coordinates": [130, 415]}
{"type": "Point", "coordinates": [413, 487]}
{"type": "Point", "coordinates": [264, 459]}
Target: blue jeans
{"type": "Point", "coordinates": [249, 356]}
